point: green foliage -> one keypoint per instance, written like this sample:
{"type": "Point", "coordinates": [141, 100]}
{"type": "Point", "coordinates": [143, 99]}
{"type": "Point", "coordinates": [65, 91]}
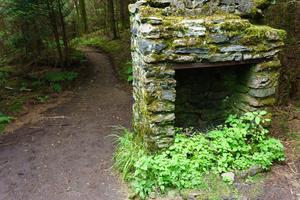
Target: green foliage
{"type": "Point", "coordinates": [4, 120]}
{"type": "Point", "coordinates": [129, 71]}
{"type": "Point", "coordinates": [109, 46]}
{"type": "Point", "coordinates": [16, 105]}
{"type": "Point", "coordinates": [127, 154]}
{"type": "Point", "coordinates": [77, 57]}
{"type": "Point", "coordinates": [26, 31]}
{"type": "Point", "coordinates": [55, 79]}
{"type": "Point", "coordinates": [240, 143]}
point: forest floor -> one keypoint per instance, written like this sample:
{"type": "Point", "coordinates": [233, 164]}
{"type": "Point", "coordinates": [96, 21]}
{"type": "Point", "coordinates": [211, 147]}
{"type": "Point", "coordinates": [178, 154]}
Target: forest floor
{"type": "Point", "coordinates": [64, 151]}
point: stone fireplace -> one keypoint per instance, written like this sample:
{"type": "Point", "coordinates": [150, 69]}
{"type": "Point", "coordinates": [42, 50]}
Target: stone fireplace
{"type": "Point", "coordinates": [197, 61]}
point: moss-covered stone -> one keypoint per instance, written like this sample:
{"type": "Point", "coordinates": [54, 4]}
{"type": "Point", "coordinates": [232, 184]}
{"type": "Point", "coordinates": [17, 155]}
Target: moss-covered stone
{"type": "Point", "coordinates": [257, 34]}
{"type": "Point", "coordinates": [259, 5]}
{"type": "Point", "coordinates": [167, 32]}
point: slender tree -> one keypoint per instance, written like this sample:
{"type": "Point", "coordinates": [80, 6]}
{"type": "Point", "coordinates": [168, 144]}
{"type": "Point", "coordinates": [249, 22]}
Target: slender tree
{"type": "Point", "coordinates": [54, 25]}
{"type": "Point", "coordinates": [112, 18]}
{"type": "Point", "coordinates": [64, 33]}
{"type": "Point", "coordinates": [82, 7]}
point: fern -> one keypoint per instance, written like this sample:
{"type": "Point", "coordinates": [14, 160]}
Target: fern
{"type": "Point", "coordinates": [55, 79]}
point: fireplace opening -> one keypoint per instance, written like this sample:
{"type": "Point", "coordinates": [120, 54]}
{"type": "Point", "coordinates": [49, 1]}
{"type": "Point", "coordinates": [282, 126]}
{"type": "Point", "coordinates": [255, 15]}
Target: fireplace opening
{"type": "Point", "coordinates": [206, 96]}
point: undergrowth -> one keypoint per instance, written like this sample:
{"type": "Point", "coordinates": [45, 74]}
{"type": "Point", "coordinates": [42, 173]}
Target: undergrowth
{"type": "Point", "coordinates": [55, 79]}
{"type": "Point", "coordinates": [4, 120]}
{"type": "Point", "coordinates": [109, 46]}
{"type": "Point", "coordinates": [20, 90]}
{"type": "Point", "coordinates": [242, 142]}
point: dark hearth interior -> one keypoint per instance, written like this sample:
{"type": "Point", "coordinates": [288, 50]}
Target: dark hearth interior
{"type": "Point", "coordinates": [205, 96]}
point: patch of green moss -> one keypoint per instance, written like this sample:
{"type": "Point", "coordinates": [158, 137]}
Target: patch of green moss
{"type": "Point", "coordinates": [221, 15]}
{"type": "Point", "coordinates": [258, 33]}
{"type": "Point", "coordinates": [259, 5]}
{"type": "Point", "coordinates": [263, 3]}
{"type": "Point", "coordinates": [158, 57]}
{"type": "Point", "coordinates": [147, 11]}
{"type": "Point", "coordinates": [267, 65]}
{"type": "Point", "coordinates": [235, 25]}
{"type": "Point", "coordinates": [213, 48]}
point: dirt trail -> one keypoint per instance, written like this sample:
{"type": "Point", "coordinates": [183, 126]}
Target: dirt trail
{"type": "Point", "coordinates": [67, 155]}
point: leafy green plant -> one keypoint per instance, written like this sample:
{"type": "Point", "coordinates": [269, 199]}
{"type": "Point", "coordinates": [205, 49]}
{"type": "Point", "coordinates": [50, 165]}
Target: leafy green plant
{"type": "Point", "coordinates": [239, 144]}
{"type": "Point", "coordinates": [129, 71]}
{"type": "Point", "coordinates": [60, 76]}
{"type": "Point", "coordinates": [4, 120]}
{"type": "Point", "coordinates": [55, 79]}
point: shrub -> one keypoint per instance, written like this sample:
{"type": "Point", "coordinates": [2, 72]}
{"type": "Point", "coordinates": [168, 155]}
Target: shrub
{"type": "Point", "coordinates": [128, 71]}
{"type": "Point", "coordinates": [239, 144]}
{"type": "Point", "coordinates": [55, 79]}
{"type": "Point", "coordinates": [4, 120]}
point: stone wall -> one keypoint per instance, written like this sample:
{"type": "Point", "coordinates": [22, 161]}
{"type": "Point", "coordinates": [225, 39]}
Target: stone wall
{"type": "Point", "coordinates": [247, 8]}
{"type": "Point", "coordinates": [161, 38]}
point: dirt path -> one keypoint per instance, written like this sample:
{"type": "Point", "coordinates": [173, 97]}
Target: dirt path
{"type": "Point", "coordinates": [67, 155]}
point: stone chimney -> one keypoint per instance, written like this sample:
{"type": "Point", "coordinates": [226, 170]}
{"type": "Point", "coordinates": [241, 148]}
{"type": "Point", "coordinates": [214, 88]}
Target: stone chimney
{"type": "Point", "coordinates": [196, 61]}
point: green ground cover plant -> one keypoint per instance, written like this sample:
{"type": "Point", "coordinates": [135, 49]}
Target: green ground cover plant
{"type": "Point", "coordinates": [109, 46]}
{"type": "Point", "coordinates": [4, 119]}
{"type": "Point", "coordinates": [242, 142]}
{"type": "Point", "coordinates": [128, 71]}
{"type": "Point", "coordinates": [55, 79]}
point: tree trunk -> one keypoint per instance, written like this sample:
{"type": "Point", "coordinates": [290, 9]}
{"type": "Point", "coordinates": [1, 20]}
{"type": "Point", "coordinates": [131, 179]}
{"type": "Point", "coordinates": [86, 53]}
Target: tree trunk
{"type": "Point", "coordinates": [78, 20]}
{"type": "Point", "coordinates": [112, 18]}
{"type": "Point", "coordinates": [52, 19]}
{"type": "Point", "coordinates": [83, 15]}
{"type": "Point", "coordinates": [124, 15]}
{"type": "Point", "coordinates": [64, 34]}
